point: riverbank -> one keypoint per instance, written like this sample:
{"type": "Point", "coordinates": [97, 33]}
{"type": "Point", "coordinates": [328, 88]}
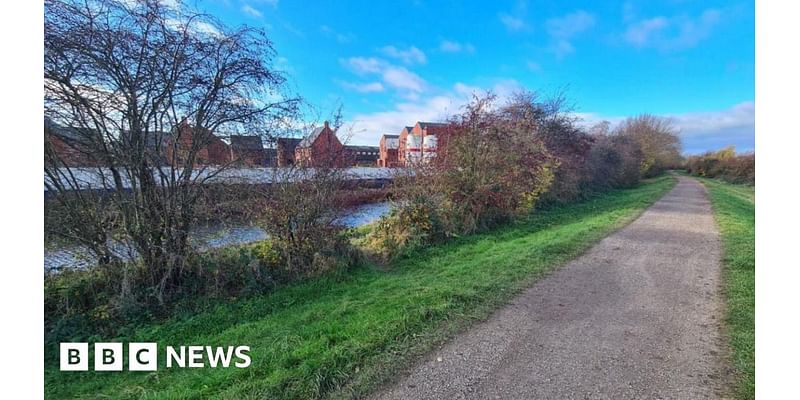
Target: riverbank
{"type": "Point", "coordinates": [208, 237]}
{"type": "Point", "coordinates": [344, 334]}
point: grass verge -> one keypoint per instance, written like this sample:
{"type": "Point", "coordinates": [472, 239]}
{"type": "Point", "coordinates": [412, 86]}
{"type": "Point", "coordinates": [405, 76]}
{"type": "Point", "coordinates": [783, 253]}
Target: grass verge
{"type": "Point", "coordinates": [734, 209]}
{"type": "Point", "coordinates": [343, 335]}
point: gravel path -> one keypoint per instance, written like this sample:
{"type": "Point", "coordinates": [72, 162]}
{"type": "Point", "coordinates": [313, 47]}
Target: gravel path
{"type": "Point", "coordinates": [636, 317]}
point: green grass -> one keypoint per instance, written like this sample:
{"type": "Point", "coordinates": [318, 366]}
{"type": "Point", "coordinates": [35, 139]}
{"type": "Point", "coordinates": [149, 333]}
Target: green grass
{"type": "Point", "coordinates": [343, 335]}
{"type": "Point", "coordinates": [734, 208]}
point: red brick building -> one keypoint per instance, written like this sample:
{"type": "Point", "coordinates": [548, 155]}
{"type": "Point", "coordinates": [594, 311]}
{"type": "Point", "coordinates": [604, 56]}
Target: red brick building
{"type": "Point", "coordinates": [389, 148]}
{"type": "Point", "coordinates": [419, 142]}
{"type": "Point", "coordinates": [285, 149]}
{"type": "Point", "coordinates": [362, 156]}
{"type": "Point", "coordinates": [211, 149]}
{"type": "Point", "coordinates": [401, 145]}
{"type": "Point", "coordinates": [68, 144]}
{"type": "Point", "coordinates": [321, 149]}
{"type": "Point", "coordinates": [248, 151]}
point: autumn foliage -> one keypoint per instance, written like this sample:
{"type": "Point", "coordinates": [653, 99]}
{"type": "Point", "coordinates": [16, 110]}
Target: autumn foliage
{"type": "Point", "coordinates": [724, 164]}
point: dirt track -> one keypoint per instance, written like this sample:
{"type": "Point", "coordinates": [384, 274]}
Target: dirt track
{"type": "Point", "coordinates": [636, 317]}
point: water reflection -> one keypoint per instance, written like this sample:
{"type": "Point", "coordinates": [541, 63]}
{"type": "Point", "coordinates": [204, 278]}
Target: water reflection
{"type": "Point", "coordinates": [207, 238]}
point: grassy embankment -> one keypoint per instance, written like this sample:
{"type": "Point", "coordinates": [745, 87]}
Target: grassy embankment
{"type": "Point", "coordinates": [734, 209]}
{"type": "Point", "coordinates": [342, 335]}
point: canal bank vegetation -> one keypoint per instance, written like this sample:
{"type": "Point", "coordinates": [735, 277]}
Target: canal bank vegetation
{"type": "Point", "coordinates": [734, 210]}
{"type": "Point", "coordinates": [499, 162]}
{"type": "Point", "coordinates": [344, 333]}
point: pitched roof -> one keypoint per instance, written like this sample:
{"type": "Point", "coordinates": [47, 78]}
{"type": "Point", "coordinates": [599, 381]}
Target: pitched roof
{"type": "Point", "coordinates": [288, 143]}
{"type": "Point", "coordinates": [240, 142]}
{"type": "Point", "coordinates": [310, 139]}
{"type": "Point", "coordinates": [386, 135]}
{"type": "Point", "coordinates": [426, 125]}
{"type": "Point", "coordinates": [66, 133]}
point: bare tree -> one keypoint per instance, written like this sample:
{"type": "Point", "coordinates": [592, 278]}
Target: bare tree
{"type": "Point", "coordinates": [302, 206]}
{"type": "Point", "coordinates": [658, 140]}
{"type": "Point", "coordinates": [138, 89]}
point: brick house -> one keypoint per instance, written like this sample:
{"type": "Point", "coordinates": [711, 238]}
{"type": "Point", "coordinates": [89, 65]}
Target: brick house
{"type": "Point", "coordinates": [248, 151]}
{"type": "Point", "coordinates": [388, 149]}
{"type": "Point", "coordinates": [69, 144]}
{"type": "Point", "coordinates": [401, 145]}
{"type": "Point", "coordinates": [285, 151]}
{"type": "Point", "coordinates": [212, 150]}
{"type": "Point", "coordinates": [321, 149]}
{"type": "Point", "coordinates": [419, 142]}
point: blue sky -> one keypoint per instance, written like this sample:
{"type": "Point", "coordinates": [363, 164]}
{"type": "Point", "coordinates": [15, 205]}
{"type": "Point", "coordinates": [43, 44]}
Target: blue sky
{"type": "Point", "coordinates": [395, 62]}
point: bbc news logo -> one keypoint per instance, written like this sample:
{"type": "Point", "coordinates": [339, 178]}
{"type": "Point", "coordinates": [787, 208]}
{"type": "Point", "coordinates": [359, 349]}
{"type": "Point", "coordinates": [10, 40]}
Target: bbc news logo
{"type": "Point", "coordinates": [144, 357]}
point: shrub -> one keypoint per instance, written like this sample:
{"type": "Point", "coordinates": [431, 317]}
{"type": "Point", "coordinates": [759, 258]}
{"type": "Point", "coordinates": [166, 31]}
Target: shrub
{"type": "Point", "coordinates": [724, 164]}
{"type": "Point", "coordinates": [408, 227]}
{"type": "Point", "coordinates": [550, 121]}
{"type": "Point", "coordinates": [613, 162]}
{"type": "Point", "coordinates": [103, 299]}
{"type": "Point", "coordinates": [491, 168]}
{"type": "Point", "coordinates": [301, 219]}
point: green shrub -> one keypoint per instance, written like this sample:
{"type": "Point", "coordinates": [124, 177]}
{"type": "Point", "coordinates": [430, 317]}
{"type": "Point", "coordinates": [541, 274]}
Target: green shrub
{"type": "Point", "coordinates": [408, 227]}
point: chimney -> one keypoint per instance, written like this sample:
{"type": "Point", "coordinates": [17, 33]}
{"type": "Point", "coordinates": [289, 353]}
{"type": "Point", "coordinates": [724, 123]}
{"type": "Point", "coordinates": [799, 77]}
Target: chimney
{"type": "Point", "coordinates": [327, 126]}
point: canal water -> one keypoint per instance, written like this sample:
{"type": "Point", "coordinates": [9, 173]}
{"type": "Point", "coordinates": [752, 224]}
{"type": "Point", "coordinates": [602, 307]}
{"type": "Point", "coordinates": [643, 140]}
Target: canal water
{"type": "Point", "coordinates": [207, 238]}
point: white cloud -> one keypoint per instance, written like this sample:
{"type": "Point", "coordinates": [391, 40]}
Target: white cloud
{"type": "Point", "coordinates": [411, 55]}
{"type": "Point", "coordinates": [672, 33]}
{"type": "Point", "coordinates": [207, 28]}
{"type": "Point", "coordinates": [392, 75]}
{"type": "Point", "coordinates": [512, 23]}
{"type": "Point", "coordinates": [640, 33]}
{"type": "Point", "coordinates": [703, 131]}
{"type": "Point", "coordinates": [449, 46]}
{"type": "Point", "coordinates": [563, 29]}
{"type": "Point", "coordinates": [707, 130]}
{"type": "Point", "coordinates": [402, 78]}
{"type": "Point", "coordinates": [699, 124]}
{"type": "Point", "coordinates": [570, 25]}
{"type": "Point", "coordinates": [363, 65]}
{"type": "Point", "coordinates": [369, 87]}
{"type": "Point", "coordinates": [367, 128]}
{"type": "Point", "coordinates": [251, 11]}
